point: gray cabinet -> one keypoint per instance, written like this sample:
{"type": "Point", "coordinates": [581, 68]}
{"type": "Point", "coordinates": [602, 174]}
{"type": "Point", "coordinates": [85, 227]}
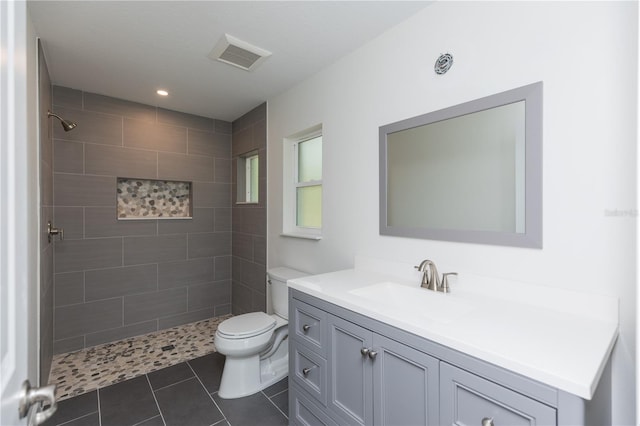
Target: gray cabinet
{"type": "Point", "coordinates": [364, 378]}
{"type": "Point", "coordinates": [467, 399]}
{"type": "Point", "coordinates": [349, 369]}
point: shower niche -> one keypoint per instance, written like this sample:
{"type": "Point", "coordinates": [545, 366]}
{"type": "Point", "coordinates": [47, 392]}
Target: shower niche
{"type": "Point", "coordinates": [153, 199]}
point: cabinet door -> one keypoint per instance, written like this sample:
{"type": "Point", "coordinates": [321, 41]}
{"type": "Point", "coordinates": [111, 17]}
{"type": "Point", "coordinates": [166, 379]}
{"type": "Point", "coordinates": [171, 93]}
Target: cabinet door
{"type": "Point", "coordinates": [350, 392]}
{"type": "Point", "coordinates": [405, 385]}
{"type": "Point", "coordinates": [467, 399]}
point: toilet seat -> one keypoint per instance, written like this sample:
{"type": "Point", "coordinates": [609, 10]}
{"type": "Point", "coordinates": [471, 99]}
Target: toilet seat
{"type": "Point", "coordinates": [246, 325]}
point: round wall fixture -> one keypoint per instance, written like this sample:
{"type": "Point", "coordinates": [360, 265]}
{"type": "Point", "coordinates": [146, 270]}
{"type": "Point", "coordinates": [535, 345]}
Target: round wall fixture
{"type": "Point", "coordinates": [443, 63]}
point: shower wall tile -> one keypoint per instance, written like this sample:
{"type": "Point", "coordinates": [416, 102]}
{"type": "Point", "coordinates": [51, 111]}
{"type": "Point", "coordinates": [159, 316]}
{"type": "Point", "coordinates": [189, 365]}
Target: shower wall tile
{"type": "Point", "coordinates": [242, 245]}
{"type": "Point", "coordinates": [68, 157]}
{"type": "Point", "coordinates": [102, 222]}
{"type": "Point", "coordinates": [204, 296]}
{"type": "Point", "coordinates": [187, 317]}
{"type": "Point", "coordinates": [209, 244]}
{"type": "Point", "coordinates": [75, 320]}
{"type": "Point", "coordinates": [223, 310]}
{"type": "Point", "coordinates": [119, 333]}
{"type": "Point", "coordinates": [202, 221]}
{"type": "Point", "coordinates": [93, 127]}
{"type": "Point", "coordinates": [248, 222]}
{"type": "Point", "coordinates": [147, 306]}
{"type": "Point", "coordinates": [115, 282]}
{"type": "Point", "coordinates": [177, 118]}
{"type": "Point", "coordinates": [207, 194]}
{"type": "Point", "coordinates": [140, 271]}
{"type": "Point", "coordinates": [69, 288]}
{"type": "Point", "coordinates": [156, 249]}
{"type": "Point", "coordinates": [79, 255]}
{"type": "Point", "coordinates": [260, 250]}
{"type": "Point", "coordinates": [222, 126]}
{"type": "Point", "coordinates": [185, 167]}
{"type": "Point", "coordinates": [121, 162]}
{"type": "Point", "coordinates": [222, 219]}
{"type": "Point", "coordinates": [71, 219]}
{"type": "Point", "coordinates": [153, 136]}
{"type": "Point", "coordinates": [46, 182]}
{"type": "Point", "coordinates": [83, 190]}
{"type": "Point", "coordinates": [213, 144]}
{"type": "Point", "coordinates": [242, 298]}
{"type": "Point", "coordinates": [186, 272]}
{"type": "Point", "coordinates": [222, 169]}
{"type": "Point", "coordinates": [68, 345]}
{"type": "Point", "coordinates": [222, 268]}
{"type": "Point", "coordinates": [109, 105]}
{"type": "Point", "coordinates": [66, 97]}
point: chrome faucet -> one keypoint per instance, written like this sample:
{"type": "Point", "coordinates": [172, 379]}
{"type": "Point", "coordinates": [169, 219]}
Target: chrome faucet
{"type": "Point", "coordinates": [431, 278]}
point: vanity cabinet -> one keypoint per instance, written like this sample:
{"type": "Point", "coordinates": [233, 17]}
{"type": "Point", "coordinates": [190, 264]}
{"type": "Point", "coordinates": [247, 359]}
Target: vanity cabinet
{"type": "Point", "coordinates": [348, 369]}
{"type": "Point", "coordinates": [357, 376]}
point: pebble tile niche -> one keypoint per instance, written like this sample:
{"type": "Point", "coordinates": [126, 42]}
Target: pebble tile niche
{"type": "Point", "coordinates": [153, 199]}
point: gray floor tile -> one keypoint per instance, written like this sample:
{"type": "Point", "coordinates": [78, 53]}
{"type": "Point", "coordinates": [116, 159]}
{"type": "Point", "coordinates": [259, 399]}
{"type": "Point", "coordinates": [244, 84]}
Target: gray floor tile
{"type": "Point", "coordinates": [187, 404]}
{"type": "Point", "coordinates": [72, 408]}
{"type": "Point", "coordinates": [153, 421]}
{"type": "Point", "coordinates": [170, 375]}
{"type": "Point", "coordinates": [281, 401]}
{"type": "Point", "coordinates": [276, 388]}
{"type": "Point", "coordinates": [92, 419]}
{"type": "Point", "coordinates": [209, 369]}
{"type": "Point", "coordinates": [251, 410]}
{"type": "Point", "coordinates": [127, 403]}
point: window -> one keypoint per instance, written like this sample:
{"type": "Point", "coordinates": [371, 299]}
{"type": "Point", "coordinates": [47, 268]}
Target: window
{"type": "Point", "coordinates": [248, 178]}
{"type": "Point", "coordinates": [303, 185]}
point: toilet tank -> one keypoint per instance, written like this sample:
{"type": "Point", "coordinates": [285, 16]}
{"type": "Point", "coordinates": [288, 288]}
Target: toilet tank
{"type": "Point", "coordinates": [279, 295]}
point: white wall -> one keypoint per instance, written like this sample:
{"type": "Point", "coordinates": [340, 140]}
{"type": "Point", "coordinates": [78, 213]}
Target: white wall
{"type": "Point", "coordinates": [585, 53]}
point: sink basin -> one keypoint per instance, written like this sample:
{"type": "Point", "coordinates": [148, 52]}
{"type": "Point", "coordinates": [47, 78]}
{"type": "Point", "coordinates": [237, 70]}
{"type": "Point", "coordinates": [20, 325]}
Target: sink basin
{"type": "Point", "coordinates": [415, 304]}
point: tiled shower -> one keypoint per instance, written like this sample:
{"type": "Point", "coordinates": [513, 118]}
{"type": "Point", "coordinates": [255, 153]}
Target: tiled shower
{"type": "Point", "coordinates": [110, 279]}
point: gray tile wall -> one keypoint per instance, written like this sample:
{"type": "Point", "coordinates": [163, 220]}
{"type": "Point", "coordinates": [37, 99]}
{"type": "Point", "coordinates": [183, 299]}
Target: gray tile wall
{"type": "Point", "coordinates": [249, 220]}
{"type": "Point", "coordinates": [116, 279]}
{"type": "Point", "coordinates": [46, 214]}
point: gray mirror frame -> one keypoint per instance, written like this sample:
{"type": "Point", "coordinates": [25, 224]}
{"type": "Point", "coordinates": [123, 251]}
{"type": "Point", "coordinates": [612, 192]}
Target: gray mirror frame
{"type": "Point", "coordinates": [532, 237]}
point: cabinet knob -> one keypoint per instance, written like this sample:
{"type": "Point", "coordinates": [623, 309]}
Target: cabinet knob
{"type": "Point", "coordinates": [306, 371]}
{"type": "Point", "coordinates": [373, 354]}
{"type": "Point", "coordinates": [487, 421]}
{"type": "Point", "coordinates": [365, 351]}
{"type": "Point", "coordinates": [306, 327]}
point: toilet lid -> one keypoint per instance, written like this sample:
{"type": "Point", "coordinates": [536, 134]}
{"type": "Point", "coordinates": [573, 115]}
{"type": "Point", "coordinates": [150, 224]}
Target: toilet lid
{"type": "Point", "coordinates": [246, 325]}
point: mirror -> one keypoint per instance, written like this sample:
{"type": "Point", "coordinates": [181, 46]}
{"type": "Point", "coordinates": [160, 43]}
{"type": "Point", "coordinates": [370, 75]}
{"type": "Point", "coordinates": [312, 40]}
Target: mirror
{"type": "Point", "coordinates": [468, 173]}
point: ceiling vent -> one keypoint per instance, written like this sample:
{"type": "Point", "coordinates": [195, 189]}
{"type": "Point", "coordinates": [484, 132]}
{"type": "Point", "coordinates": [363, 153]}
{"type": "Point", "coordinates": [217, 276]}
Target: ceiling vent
{"type": "Point", "coordinates": [238, 53]}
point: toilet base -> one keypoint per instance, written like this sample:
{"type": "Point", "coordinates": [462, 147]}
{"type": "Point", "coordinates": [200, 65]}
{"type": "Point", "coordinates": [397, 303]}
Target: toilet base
{"type": "Point", "coordinates": [244, 376]}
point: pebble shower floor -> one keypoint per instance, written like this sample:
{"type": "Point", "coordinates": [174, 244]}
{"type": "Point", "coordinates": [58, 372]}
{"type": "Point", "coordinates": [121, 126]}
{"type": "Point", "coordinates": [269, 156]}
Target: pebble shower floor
{"type": "Point", "coordinates": [92, 368]}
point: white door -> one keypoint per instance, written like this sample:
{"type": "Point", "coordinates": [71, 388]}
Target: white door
{"type": "Point", "coordinates": [18, 213]}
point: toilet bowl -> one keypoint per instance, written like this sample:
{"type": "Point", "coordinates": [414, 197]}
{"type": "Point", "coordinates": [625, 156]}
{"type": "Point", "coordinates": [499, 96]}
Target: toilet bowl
{"type": "Point", "coordinates": [255, 344]}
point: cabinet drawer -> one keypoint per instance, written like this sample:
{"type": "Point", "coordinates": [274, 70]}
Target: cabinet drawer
{"type": "Point", "coordinates": [309, 326]}
{"type": "Point", "coordinates": [467, 399]}
{"type": "Point", "coordinates": [310, 373]}
{"type": "Point", "coordinates": [303, 412]}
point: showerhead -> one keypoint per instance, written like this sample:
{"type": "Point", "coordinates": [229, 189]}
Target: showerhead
{"type": "Point", "coordinates": [66, 125]}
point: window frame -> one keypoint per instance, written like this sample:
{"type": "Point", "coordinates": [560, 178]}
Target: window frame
{"type": "Point", "coordinates": [244, 175]}
{"type": "Point", "coordinates": [291, 185]}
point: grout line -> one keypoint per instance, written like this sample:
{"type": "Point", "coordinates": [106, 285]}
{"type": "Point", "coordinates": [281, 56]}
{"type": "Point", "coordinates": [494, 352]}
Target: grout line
{"type": "Point", "coordinates": [145, 420]}
{"type": "Point", "coordinates": [78, 418]}
{"type": "Point", "coordinates": [172, 384]}
{"type": "Point", "coordinates": [155, 399]}
{"type": "Point", "coordinates": [275, 405]}
{"type": "Point", "coordinates": [210, 394]}
{"type": "Point", "coordinates": [99, 410]}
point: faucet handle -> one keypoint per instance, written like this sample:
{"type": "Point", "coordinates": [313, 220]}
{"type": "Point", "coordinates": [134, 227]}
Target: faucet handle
{"type": "Point", "coordinates": [445, 288]}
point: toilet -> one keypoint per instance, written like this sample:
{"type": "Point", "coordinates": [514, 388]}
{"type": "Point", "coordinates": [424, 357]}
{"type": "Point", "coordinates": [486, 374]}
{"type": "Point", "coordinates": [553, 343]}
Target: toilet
{"type": "Point", "coordinates": [255, 344]}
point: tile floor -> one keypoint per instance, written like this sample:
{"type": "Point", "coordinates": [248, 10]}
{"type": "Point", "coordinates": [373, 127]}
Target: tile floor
{"type": "Point", "coordinates": [185, 394]}
{"type": "Point", "coordinates": [82, 371]}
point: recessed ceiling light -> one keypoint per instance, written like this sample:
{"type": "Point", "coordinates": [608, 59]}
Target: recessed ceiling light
{"type": "Point", "coordinates": [162, 92]}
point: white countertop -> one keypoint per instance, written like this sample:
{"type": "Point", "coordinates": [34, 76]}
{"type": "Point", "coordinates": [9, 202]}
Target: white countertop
{"type": "Point", "coordinates": [557, 337]}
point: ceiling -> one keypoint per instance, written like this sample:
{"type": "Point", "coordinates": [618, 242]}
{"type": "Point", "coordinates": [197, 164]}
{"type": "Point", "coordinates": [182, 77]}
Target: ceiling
{"type": "Point", "coordinates": [129, 49]}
